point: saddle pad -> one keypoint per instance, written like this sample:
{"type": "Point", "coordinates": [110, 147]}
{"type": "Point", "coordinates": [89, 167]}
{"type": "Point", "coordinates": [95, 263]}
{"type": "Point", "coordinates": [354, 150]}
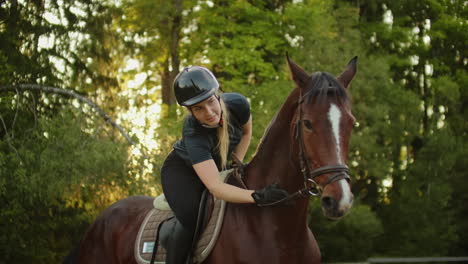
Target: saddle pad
{"type": "Point", "coordinates": [144, 243]}
{"type": "Point", "coordinates": [210, 234]}
{"type": "Point", "coordinates": [147, 235]}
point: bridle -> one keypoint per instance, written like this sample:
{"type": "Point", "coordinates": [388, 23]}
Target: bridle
{"type": "Point", "coordinates": [340, 171]}
{"type": "Point", "coordinates": [311, 187]}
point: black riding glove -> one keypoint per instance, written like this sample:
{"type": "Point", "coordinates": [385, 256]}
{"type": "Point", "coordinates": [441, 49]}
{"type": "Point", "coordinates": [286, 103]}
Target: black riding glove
{"type": "Point", "coordinates": [269, 195]}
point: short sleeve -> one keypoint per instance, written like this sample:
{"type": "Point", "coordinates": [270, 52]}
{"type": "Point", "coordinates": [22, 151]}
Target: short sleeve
{"type": "Point", "coordinates": [239, 107]}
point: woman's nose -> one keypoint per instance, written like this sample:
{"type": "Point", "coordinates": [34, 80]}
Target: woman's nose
{"type": "Point", "coordinates": [209, 111]}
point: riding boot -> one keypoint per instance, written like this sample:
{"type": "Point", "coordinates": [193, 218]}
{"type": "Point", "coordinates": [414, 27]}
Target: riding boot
{"type": "Point", "coordinates": [178, 244]}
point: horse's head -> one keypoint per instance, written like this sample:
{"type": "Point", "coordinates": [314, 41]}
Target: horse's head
{"type": "Point", "coordinates": [322, 128]}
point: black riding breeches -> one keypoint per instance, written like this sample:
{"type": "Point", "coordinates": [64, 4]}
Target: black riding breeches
{"type": "Point", "coordinates": [183, 189]}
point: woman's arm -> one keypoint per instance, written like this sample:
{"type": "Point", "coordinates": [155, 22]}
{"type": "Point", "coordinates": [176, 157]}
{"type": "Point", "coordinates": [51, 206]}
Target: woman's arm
{"type": "Point", "coordinates": [244, 143]}
{"type": "Point", "coordinates": [209, 175]}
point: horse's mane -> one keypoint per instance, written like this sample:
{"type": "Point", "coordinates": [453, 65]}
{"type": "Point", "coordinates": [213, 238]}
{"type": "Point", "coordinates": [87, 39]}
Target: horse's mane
{"type": "Point", "coordinates": [322, 86]}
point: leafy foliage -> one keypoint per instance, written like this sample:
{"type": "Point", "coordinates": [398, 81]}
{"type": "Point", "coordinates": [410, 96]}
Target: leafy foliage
{"type": "Point", "coordinates": [56, 174]}
{"type": "Point", "coordinates": [351, 239]}
{"type": "Point", "coordinates": [425, 141]}
{"type": "Point", "coordinates": [414, 230]}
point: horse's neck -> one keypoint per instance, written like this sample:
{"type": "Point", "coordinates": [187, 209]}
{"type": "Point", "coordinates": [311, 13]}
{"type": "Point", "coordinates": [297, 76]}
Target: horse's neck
{"type": "Point", "coordinates": [275, 161]}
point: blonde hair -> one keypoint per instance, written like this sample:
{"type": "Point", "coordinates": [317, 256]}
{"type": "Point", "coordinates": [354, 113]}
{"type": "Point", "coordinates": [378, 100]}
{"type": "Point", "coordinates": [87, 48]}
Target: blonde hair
{"type": "Point", "coordinates": [223, 135]}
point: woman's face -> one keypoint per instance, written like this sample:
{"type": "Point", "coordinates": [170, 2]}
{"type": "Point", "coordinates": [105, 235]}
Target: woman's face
{"type": "Point", "coordinates": [207, 112]}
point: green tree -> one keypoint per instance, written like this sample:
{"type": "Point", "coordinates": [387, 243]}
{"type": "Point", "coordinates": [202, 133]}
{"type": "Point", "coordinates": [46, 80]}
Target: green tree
{"type": "Point", "coordinates": [59, 165]}
{"type": "Point", "coordinates": [65, 44]}
{"type": "Point", "coordinates": [156, 28]}
{"type": "Point", "coordinates": [56, 174]}
{"type": "Point", "coordinates": [425, 42]}
{"type": "Point", "coordinates": [352, 238]}
{"type": "Point", "coordinates": [243, 44]}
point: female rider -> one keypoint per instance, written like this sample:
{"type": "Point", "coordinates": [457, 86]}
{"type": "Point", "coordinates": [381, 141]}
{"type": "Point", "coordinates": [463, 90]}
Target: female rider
{"type": "Point", "coordinates": [217, 126]}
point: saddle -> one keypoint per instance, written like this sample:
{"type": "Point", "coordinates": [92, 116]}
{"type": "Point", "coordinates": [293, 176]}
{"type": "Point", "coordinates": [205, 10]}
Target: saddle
{"type": "Point", "coordinates": [209, 224]}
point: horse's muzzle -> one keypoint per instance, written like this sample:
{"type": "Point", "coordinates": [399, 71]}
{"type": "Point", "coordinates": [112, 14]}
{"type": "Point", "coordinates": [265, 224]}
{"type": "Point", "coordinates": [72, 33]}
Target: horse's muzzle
{"type": "Point", "coordinates": [332, 207]}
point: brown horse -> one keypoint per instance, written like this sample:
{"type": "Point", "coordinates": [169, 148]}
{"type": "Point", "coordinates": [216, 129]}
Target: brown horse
{"type": "Point", "coordinates": [304, 150]}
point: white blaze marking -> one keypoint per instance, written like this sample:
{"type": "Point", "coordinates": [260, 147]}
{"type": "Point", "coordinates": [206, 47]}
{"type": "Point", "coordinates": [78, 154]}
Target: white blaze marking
{"type": "Point", "coordinates": [334, 115]}
{"type": "Point", "coordinates": [345, 202]}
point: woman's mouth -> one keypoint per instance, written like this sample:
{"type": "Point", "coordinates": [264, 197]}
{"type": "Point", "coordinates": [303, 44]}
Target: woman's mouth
{"type": "Point", "coordinates": [211, 119]}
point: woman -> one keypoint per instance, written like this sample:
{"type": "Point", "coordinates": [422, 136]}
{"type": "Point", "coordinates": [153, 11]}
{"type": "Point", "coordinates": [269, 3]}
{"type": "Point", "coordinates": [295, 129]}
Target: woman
{"type": "Point", "coordinates": [217, 126]}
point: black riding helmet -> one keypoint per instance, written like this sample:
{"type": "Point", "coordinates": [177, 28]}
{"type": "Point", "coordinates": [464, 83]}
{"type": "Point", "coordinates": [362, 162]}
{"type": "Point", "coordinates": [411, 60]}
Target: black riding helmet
{"type": "Point", "coordinates": [193, 85]}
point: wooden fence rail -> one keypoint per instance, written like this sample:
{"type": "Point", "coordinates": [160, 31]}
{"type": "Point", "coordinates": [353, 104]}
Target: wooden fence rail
{"type": "Point", "coordinates": [408, 260]}
{"type": "Point", "coordinates": [417, 260]}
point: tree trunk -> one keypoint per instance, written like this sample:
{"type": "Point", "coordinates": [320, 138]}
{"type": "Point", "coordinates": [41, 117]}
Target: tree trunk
{"type": "Point", "coordinates": [166, 84]}
{"type": "Point", "coordinates": [170, 73]}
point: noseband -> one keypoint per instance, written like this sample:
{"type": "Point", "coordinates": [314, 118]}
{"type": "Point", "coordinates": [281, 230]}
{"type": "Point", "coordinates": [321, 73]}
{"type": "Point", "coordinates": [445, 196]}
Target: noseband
{"type": "Point", "coordinates": [311, 187]}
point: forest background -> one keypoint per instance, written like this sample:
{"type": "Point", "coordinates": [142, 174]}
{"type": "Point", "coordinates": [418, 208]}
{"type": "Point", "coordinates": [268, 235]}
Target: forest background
{"type": "Point", "coordinates": [62, 161]}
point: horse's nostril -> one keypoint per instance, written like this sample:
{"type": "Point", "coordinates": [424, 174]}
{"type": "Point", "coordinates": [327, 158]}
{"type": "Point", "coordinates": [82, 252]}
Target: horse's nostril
{"type": "Point", "coordinates": [328, 202]}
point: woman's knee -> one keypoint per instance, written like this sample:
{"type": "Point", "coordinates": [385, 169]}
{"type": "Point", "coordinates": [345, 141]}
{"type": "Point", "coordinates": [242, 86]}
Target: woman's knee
{"type": "Point", "coordinates": [188, 220]}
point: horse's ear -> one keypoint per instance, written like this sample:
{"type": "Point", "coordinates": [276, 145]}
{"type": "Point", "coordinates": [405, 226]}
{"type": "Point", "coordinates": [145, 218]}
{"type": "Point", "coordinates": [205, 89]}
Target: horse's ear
{"type": "Point", "coordinates": [347, 76]}
{"type": "Point", "coordinates": [297, 73]}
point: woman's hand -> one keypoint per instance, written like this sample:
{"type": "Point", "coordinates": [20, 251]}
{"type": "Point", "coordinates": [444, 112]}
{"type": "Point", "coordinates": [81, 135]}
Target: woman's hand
{"type": "Point", "coordinates": [270, 195]}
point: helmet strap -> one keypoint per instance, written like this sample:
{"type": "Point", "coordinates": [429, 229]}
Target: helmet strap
{"type": "Point", "coordinates": [208, 126]}
{"type": "Point", "coordinates": [221, 119]}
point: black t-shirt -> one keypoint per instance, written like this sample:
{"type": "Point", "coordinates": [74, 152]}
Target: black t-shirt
{"type": "Point", "coordinates": [199, 143]}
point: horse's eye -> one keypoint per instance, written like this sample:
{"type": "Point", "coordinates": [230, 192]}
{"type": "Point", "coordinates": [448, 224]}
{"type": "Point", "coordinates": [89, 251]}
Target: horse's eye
{"type": "Point", "coordinates": [308, 124]}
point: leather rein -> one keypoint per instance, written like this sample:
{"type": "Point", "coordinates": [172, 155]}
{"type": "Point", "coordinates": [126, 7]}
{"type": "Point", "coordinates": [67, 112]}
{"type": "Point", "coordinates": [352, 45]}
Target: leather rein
{"type": "Point", "coordinates": [311, 187]}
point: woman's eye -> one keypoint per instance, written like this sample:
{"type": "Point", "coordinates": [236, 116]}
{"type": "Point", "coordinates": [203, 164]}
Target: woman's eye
{"type": "Point", "coordinates": [308, 124]}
